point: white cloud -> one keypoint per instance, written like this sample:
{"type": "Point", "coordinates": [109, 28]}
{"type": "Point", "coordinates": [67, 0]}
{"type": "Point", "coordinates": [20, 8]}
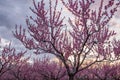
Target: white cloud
{"type": "Point", "coordinates": [4, 42]}
{"type": "Point", "coordinates": [115, 25]}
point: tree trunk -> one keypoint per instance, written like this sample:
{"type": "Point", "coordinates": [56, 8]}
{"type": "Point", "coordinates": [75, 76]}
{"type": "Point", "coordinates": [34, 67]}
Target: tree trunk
{"type": "Point", "coordinates": [71, 77]}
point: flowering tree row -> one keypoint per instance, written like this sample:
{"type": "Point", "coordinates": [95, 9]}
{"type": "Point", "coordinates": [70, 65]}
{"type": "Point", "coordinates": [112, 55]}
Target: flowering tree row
{"type": "Point", "coordinates": [14, 66]}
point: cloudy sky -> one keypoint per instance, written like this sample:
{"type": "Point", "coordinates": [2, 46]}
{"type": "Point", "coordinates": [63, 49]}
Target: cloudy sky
{"type": "Point", "coordinates": [15, 11]}
{"type": "Point", "coordinates": [12, 12]}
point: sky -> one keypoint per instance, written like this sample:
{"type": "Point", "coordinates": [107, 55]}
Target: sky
{"type": "Point", "coordinates": [14, 12]}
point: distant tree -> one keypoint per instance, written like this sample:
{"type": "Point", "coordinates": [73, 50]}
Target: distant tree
{"type": "Point", "coordinates": [22, 72]}
{"type": "Point", "coordinates": [48, 70]}
{"type": "Point", "coordinates": [115, 74]}
{"type": "Point", "coordinates": [83, 75]}
{"type": "Point", "coordinates": [9, 58]}
{"type": "Point", "coordinates": [88, 34]}
{"type": "Point", "coordinates": [103, 72]}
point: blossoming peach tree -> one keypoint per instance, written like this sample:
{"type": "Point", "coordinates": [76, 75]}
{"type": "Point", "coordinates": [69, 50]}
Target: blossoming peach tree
{"type": "Point", "coordinates": [9, 59]}
{"type": "Point", "coordinates": [89, 33]}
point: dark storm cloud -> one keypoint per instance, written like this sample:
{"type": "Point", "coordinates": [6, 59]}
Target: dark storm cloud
{"type": "Point", "coordinates": [4, 21]}
{"type": "Point", "coordinates": [13, 12]}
